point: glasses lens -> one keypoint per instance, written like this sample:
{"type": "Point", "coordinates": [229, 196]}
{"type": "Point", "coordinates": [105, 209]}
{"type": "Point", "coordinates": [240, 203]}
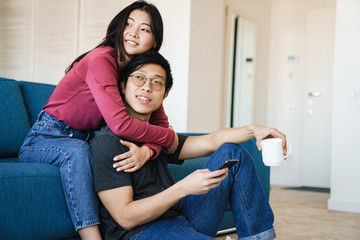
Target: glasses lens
{"type": "Point", "coordinates": [157, 84]}
{"type": "Point", "coordinates": [138, 79]}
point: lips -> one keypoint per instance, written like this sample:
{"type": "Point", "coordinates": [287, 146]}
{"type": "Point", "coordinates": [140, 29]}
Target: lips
{"type": "Point", "coordinates": [143, 98]}
{"type": "Point", "coordinates": [131, 43]}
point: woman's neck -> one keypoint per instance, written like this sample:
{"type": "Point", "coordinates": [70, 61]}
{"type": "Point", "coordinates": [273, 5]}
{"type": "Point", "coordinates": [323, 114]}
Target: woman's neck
{"type": "Point", "coordinates": [123, 63]}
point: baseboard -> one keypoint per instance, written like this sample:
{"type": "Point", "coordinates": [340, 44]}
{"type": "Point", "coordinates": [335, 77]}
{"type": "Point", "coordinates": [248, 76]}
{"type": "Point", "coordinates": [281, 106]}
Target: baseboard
{"type": "Point", "coordinates": [345, 206]}
{"type": "Point", "coordinates": [284, 181]}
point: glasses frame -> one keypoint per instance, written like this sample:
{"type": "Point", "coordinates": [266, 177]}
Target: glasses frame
{"type": "Point", "coordinates": [146, 78]}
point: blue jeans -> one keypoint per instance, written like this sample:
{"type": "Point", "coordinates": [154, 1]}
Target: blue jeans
{"type": "Point", "coordinates": [202, 214]}
{"type": "Point", "coordinates": [56, 143]}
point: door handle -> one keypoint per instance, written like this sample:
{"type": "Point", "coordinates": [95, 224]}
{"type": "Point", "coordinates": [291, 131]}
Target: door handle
{"type": "Point", "coordinates": [314, 94]}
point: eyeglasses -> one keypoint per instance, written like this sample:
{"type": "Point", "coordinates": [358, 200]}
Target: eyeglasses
{"type": "Point", "coordinates": [140, 79]}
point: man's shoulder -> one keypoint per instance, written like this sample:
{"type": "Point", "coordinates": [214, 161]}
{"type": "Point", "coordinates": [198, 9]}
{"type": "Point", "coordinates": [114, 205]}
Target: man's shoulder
{"type": "Point", "coordinates": [104, 134]}
{"type": "Point", "coordinates": [106, 145]}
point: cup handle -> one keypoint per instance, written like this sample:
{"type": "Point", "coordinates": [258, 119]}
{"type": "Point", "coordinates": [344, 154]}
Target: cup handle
{"type": "Point", "coordinates": [288, 153]}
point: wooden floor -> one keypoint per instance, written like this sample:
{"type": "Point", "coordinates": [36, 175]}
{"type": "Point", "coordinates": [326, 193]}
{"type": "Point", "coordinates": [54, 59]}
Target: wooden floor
{"type": "Point", "coordinates": [303, 215]}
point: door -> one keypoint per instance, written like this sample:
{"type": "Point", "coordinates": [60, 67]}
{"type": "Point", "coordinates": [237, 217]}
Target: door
{"type": "Point", "coordinates": [241, 71]}
{"type": "Point", "coordinates": [316, 139]}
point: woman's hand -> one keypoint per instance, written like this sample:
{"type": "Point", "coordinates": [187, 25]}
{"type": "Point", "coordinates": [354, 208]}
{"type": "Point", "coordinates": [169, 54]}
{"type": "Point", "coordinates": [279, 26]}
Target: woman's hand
{"type": "Point", "coordinates": [202, 181]}
{"type": "Point", "coordinates": [134, 159]}
{"type": "Point", "coordinates": [262, 132]}
{"type": "Point", "coordinates": [175, 145]}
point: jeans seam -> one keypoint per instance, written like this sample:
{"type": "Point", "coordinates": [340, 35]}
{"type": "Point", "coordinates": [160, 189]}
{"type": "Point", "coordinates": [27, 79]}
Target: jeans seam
{"type": "Point", "coordinates": [88, 224]}
{"type": "Point", "coordinates": [139, 235]}
{"type": "Point", "coordinates": [66, 161]}
{"type": "Point", "coordinates": [197, 209]}
{"type": "Point", "coordinates": [246, 207]}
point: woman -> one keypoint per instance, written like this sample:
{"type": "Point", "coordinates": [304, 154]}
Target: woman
{"type": "Point", "coordinates": [86, 99]}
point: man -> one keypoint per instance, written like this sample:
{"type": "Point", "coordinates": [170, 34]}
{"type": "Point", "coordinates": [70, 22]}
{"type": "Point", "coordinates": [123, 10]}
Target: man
{"type": "Point", "coordinates": [147, 204]}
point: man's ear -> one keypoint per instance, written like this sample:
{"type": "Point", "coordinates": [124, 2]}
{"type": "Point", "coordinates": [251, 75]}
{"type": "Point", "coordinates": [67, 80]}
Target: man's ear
{"type": "Point", "coordinates": [166, 94]}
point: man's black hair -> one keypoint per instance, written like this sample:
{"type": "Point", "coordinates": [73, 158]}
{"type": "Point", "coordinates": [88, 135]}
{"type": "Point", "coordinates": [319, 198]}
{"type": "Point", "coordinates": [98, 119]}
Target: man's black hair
{"type": "Point", "coordinates": [140, 60]}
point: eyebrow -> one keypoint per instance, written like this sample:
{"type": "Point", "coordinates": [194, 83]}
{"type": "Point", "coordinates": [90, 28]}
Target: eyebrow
{"type": "Point", "coordinates": [141, 23]}
{"type": "Point", "coordinates": [156, 75]}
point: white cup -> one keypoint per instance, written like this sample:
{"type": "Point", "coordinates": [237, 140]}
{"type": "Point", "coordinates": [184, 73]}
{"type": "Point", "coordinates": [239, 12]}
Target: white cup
{"type": "Point", "coordinates": [272, 151]}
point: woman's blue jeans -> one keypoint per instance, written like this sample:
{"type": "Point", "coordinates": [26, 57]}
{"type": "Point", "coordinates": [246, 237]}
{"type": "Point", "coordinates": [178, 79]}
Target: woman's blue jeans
{"type": "Point", "coordinates": [56, 143]}
{"type": "Point", "coordinates": [202, 214]}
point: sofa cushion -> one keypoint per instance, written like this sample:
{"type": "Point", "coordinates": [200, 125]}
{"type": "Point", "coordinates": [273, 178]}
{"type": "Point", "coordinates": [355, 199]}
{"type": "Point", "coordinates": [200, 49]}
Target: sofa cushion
{"type": "Point", "coordinates": [32, 203]}
{"type": "Point", "coordinates": [13, 118]}
{"type": "Point", "coordinates": [36, 96]}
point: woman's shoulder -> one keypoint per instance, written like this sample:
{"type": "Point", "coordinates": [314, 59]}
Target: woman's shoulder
{"type": "Point", "coordinates": [103, 52]}
{"type": "Point", "coordinates": [103, 57]}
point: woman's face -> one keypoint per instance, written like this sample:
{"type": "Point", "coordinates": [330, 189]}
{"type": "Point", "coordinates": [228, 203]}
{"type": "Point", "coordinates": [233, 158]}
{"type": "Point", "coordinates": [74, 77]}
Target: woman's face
{"type": "Point", "coordinates": [138, 37]}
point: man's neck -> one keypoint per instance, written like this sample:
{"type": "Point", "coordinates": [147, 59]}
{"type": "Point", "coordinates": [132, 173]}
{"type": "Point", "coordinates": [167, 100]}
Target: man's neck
{"type": "Point", "coordinates": [138, 116]}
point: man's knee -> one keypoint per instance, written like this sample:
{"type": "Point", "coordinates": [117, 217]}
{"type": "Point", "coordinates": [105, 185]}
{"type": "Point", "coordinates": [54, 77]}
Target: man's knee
{"type": "Point", "coordinates": [235, 151]}
{"type": "Point", "coordinates": [232, 147]}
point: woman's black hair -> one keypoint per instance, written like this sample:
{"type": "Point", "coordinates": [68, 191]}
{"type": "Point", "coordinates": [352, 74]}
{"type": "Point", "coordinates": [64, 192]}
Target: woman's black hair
{"type": "Point", "coordinates": [140, 60]}
{"type": "Point", "coordinates": [115, 30]}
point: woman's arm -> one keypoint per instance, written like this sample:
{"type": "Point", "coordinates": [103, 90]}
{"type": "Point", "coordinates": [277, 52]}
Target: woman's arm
{"type": "Point", "coordinates": [102, 81]}
{"type": "Point", "coordinates": [129, 213]}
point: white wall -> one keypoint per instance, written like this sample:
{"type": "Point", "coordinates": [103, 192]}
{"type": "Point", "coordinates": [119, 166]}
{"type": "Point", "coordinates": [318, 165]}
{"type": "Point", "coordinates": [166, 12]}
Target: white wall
{"type": "Point", "coordinates": [205, 66]}
{"type": "Point", "coordinates": [176, 18]}
{"type": "Point", "coordinates": [345, 177]}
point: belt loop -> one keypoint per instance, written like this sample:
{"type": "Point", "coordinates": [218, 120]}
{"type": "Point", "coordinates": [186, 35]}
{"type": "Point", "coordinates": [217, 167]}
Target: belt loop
{"type": "Point", "coordinates": [71, 133]}
{"type": "Point", "coordinates": [40, 114]}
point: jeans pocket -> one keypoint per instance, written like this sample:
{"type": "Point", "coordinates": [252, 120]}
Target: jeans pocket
{"type": "Point", "coordinates": [50, 129]}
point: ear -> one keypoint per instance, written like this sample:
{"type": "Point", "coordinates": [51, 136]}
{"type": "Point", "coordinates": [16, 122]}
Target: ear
{"type": "Point", "coordinates": [122, 85]}
{"type": "Point", "coordinates": [154, 46]}
{"type": "Point", "coordinates": [166, 94]}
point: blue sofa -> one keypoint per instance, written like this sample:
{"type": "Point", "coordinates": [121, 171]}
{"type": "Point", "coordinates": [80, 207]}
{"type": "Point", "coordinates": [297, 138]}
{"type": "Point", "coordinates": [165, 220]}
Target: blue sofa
{"type": "Point", "coordinates": [32, 204]}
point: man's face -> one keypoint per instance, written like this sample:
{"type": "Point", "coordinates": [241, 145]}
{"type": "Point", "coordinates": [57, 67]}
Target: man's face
{"type": "Point", "coordinates": [142, 101]}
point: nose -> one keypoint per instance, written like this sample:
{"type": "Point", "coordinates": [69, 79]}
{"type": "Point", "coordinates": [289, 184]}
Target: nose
{"type": "Point", "coordinates": [147, 85]}
{"type": "Point", "coordinates": [134, 33]}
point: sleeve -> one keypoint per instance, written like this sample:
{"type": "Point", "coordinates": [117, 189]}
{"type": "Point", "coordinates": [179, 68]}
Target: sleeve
{"type": "Point", "coordinates": [102, 81]}
{"type": "Point", "coordinates": [158, 118]}
{"type": "Point", "coordinates": [174, 158]}
{"type": "Point", "coordinates": [103, 148]}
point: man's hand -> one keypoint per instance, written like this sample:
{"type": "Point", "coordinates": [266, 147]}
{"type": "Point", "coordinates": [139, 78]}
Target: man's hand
{"type": "Point", "coordinates": [202, 181]}
{"type": "Point", "coordinates": [132, 160]}
{"type": "Point", "coordinates": [175, 145]}
{"type": "Point", "coordinates": [262, 132]}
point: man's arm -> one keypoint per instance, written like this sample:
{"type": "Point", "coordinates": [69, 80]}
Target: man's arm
{"type": "Point", "coordinates": [129, 213]}
{"type": "Point", "coordinates": [198, 146]}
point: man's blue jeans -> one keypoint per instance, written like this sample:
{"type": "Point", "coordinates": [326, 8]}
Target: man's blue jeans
{"type": "Point", "coordinates": [202, 214]}
{"type": "Point", "coordinates": [53, 142]}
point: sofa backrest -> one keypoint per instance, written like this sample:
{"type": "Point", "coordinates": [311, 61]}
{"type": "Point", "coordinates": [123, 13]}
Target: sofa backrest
{"type": "Point", "coordinates": [20, 103]}
{"type": "Point", "coordinates": [14, 122]}
{"type": "Point", "coordinates": [35, 97]}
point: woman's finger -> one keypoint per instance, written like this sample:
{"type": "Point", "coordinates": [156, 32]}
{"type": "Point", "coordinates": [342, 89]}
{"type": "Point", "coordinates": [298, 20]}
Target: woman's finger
{"type": "Point", "coordinates": [122, 156]}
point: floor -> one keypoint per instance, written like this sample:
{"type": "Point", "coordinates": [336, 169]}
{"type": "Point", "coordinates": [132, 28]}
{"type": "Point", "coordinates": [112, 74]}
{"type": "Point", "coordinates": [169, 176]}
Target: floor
{"type": "Point", "coordinates": [303, 215]}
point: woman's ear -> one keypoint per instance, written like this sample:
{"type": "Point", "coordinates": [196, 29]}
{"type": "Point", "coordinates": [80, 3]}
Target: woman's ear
{"type": "Point", "coordinates": [154, 46]}
{"type": "Point", "coordinates": [122, 85]}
